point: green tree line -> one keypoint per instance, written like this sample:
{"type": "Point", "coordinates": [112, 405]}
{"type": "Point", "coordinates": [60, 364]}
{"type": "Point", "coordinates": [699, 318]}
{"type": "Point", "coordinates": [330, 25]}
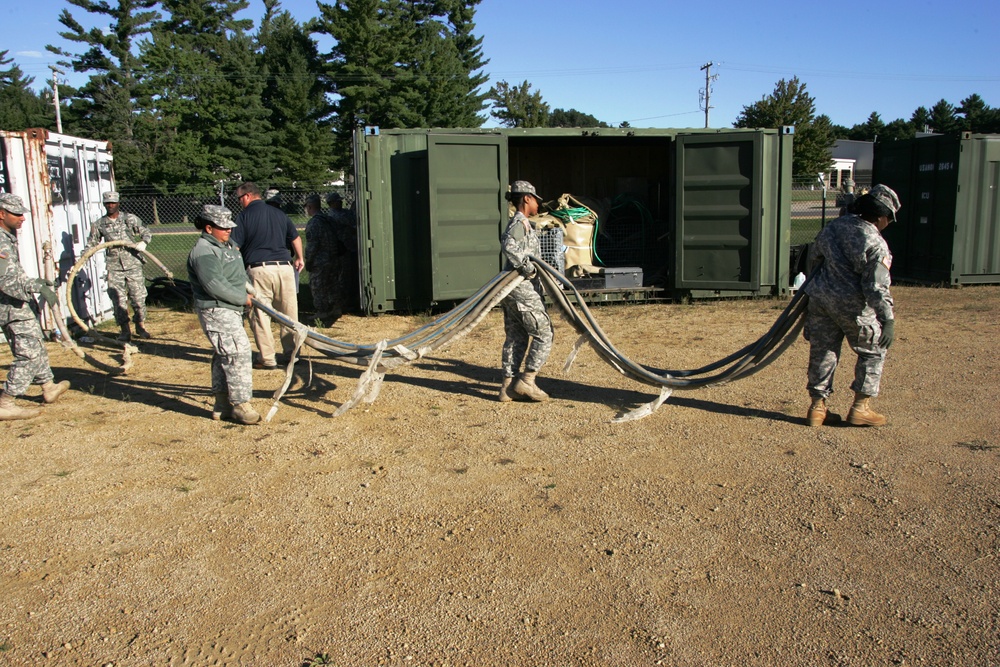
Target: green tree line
{"type": "Point", "coordinates": [189, 94]}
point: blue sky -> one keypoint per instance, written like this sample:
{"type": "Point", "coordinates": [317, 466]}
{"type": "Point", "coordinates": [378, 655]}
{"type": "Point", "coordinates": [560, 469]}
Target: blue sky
{"type": "Point", "coordinates": [640, 60]}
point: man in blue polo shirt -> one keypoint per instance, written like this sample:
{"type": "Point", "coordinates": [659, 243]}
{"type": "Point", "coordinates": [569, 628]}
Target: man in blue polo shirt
{"type": "Point", "coordinates": [267, 239]}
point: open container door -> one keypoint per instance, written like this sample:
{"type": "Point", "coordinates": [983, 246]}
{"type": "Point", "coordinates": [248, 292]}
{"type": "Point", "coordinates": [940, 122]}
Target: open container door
{"type": "Point", "coordinates": [467, 177]}
{"type": "Point", "coordinates": [718, 210]}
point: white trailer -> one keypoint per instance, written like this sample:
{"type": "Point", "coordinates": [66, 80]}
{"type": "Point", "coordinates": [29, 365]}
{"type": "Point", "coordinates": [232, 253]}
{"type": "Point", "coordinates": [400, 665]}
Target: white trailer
{"type": "Point", "coordinates": [61, 180]}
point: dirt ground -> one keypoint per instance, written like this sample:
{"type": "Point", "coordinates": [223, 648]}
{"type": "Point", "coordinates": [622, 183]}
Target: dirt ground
{"type": "Point", "coordinates": [440, 527]}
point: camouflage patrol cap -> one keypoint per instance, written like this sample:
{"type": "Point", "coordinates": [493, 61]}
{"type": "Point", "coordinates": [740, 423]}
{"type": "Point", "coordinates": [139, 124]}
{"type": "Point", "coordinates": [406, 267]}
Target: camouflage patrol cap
{"type": "Point", "coordinates": [272, 195]}
{"type": "Point", "coordinates": [885, 196]}
{"type": "Point", "coordinates": [333, 197]}
{"type": "Point", "coordinates": [12, 203]}
{"type": "Point", "coordinates": [524, 188]}
{"type": "Point", "coordinates": [111, 197]}
{"type": "Point", "coordinates": [219, 217]}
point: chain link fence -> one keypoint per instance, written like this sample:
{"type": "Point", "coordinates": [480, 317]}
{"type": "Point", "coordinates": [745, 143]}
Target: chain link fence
{"type": "Point", "coordinates": [170, 217]}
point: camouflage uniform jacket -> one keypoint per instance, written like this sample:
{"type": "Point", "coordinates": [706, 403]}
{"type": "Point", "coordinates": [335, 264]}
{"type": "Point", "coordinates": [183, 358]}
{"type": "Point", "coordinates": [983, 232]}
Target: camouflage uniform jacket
{"type": "Point", "coordinates": [16, 287]}
{"type": "Point", "coordinates": [125, 228]}
{"type": "Point", "coordinates": [854, 274]}
{"type": "Point", "coordinates": [321, 243]}
{"type": "Point", "coordinates": [218, 279]}
{"type": "Point", "coordinates": [519, 241]}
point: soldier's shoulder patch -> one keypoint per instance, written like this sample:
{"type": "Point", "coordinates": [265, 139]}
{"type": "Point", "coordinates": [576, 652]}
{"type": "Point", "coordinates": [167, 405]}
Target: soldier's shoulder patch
{"type": "Point", "coordinates": [3, 254]}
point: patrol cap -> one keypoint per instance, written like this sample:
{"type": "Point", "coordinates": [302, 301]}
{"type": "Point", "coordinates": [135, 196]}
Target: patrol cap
{"type": "Point", "coordinates": [524, 188]}
{"type": "Point", "coordinates": [885, 196]}
{"type": "Point", "coordinates": [111, 197]}
{"type": "Point", "coordinates": [219, 217]}
{"type": "Point", "coordinates": [12, 203]}
{"type": "Point", "coordinates": [333, 197]}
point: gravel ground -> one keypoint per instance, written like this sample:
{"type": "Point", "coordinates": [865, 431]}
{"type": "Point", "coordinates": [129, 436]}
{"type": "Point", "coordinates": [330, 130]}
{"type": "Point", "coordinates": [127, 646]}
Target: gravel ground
{"type": "Point", "coordinates": [440, 527]}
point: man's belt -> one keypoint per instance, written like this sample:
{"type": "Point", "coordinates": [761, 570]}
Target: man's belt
{"type": "Point", "coordinates": [259, 264]}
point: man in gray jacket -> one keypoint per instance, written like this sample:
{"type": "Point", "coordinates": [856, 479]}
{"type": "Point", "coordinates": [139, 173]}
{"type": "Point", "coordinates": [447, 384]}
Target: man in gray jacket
{"type": "Point", "coordinates": [219, 285]}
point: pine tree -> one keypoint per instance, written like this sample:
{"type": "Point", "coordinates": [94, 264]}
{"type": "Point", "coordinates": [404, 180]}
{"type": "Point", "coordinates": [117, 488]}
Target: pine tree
{"type": "Point", "coordinates": [790, 104]}
{"type": "Point", "coordinates": [362, 69]}
{"type": "Point", "coordinates": [942, 119]}
{"type": "Point", "coordinates": [300, 114]}
{"type": "Point", "coordinates": [870, 130]}
{"type": "Point", "coordinates": [106, 107]}
{"type": "Point", "coordinates": [974, 112]}
{"type": "Point", "coordinates": [517, 106]}
{"type": "Point", "coordinates": [20, 106]}
{"type": "Point", "coordinates": [920, 120]}
{"type": "Point", "coordinates": [201, 76]}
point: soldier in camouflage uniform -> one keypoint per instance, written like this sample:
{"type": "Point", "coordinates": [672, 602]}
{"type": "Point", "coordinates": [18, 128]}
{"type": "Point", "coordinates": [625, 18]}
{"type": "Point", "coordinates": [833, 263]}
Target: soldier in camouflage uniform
{"type": "Point", "coordinates": [219, 285]}
{"type": "Point", "coordinates": [524, 313]}
{"type": "Point", "coordinates": [849, 298]}
{"type": "Point", "coordinates": [325, 258]}
{"type": "Point", "coordinates": [126, 282]}
{"type": "Point", "coordinates": [18, 319]}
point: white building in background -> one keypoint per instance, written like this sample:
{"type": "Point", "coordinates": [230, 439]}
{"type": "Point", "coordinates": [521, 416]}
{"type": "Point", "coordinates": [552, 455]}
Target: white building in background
{"type": "Point", "coordinates": [851, 159]}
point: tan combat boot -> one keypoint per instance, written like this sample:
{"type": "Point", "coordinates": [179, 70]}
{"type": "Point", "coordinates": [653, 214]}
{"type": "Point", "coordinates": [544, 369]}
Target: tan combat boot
{"type": "Point", "coordinates": [245, 414]}
{"type": "Point", "coordinates": [861, 413]}
{"type": "Point", "coordinates": [126, 335]}
{"type": "Point", "coordinates": [526, 386]}
{"type": "Point", "coordinates": [141, 331]}
{"type": "Point", "coordinates": [222, 409]}
{"type": "Point", "coordinates": [507, 393]}
{"type": "Point", "coordinates": [819, 415]}
{"type": "Point", "coordinates": [9, 410]}
{"type": "Point", "coordinates": [51, 391]}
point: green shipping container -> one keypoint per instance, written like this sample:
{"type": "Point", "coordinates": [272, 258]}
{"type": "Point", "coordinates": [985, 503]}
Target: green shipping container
{"type": "Point", "coordinates": [702, 213]}
{"type": "Point", "coordinates": [948, 228]}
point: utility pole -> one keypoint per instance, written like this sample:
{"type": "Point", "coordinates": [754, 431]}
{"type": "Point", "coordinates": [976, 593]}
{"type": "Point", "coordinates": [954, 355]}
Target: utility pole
{"type": "Point", "coordinates": [55, 96]}
{"type": "Point", "coordinates": [706, 93]}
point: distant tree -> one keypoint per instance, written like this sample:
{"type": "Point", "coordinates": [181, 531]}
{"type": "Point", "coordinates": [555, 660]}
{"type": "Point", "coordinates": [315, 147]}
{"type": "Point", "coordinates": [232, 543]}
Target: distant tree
{"type": "Point", "coordinates": [624, 124]}
{"type": "Point", "coordinates": [790, 104]}
{"type": "Point", "coordinates": [975, 114]}
{"type": "Point", "coordinates": [20, 106]}
{"type": "Point", "coordinates": [107, 107]}
{"type": "Point", "coordinates": [517, 106]}
{"type": "Point", "coordinates": [302, 134]}
{"type": "Point", "coordinates": [920, 121]}
{"type": "Point", "coordinates": [942, 119]}
{"type": "Point", "coordinates": [896, 130]}
{"type": "Point", "coordinates": [574, 118]}
{"type": "Point", "coordinates": [870, 130]}
{"type": "Point", "coordinates": [840, 131]}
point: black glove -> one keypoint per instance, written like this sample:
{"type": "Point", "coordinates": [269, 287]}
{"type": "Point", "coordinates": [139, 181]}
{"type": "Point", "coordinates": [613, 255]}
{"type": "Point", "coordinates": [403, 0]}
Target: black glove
{"type": "Point", "coordinates": [888, 334]}
{"type": "Point", "coordinates": [527, 269]}
{"type": "Point", "coordinates": [48, 295]}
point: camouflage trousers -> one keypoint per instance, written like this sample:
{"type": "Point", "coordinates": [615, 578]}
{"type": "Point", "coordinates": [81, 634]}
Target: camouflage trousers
{"type": "Point", "coordinates": [826, 331]}
{"type": "Point", "coordinates": [524, 316]}
{"type": "Point", "coordinates": [124, 288]}
{"type": "Point", "coordinates": [31, 360]}
{"type": "Point", "coordinates": [328, 292]}
{"type": "Point", "coordinates": [232, 359]}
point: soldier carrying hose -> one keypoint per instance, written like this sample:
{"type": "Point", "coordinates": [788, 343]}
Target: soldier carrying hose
{"type": "Point", "coordinates": [524, 315]}
{"type": "Point", "coordinates": [849, 298]}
